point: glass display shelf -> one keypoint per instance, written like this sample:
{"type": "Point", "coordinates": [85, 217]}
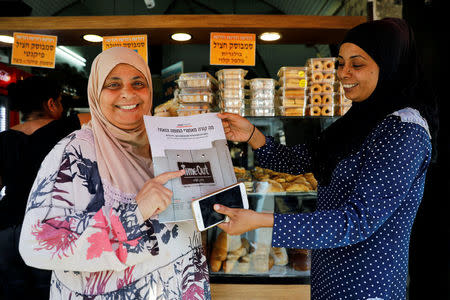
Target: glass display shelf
{"type": "Point", "coordinates": [303, 195]}
{"type": "Point", "coordinates": [261, 263]}
{"type": "Point", "coordinates": [280, 275]}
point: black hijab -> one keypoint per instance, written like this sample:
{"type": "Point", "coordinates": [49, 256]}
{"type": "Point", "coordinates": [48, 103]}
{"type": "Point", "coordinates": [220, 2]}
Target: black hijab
{"type": "Point", "coordinates": [390, 43]}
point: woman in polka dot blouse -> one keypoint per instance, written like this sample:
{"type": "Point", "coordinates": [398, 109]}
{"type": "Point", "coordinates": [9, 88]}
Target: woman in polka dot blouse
{"type": "Point", "coordinates": [370, 164]}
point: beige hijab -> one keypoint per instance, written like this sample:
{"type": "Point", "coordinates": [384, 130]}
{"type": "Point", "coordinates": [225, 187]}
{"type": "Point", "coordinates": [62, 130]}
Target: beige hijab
{"type": "Point", "coordinates": [123, 156]}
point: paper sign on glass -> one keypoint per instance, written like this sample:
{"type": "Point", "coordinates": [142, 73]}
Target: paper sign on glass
{"type": "Point", "coordinates": [137, 43]}
{"type": "Point", "coordinates": [34, 50]}
{"type": "Point", "coordinates": [236, 49]}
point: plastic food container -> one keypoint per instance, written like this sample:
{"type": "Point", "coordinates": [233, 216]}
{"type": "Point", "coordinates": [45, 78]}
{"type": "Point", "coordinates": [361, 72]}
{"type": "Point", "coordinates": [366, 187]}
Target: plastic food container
{"type": "Point", "coordinates": [321, 64]}
{"type": "Point", "coordinates": [262, 112]}
{"type": "Point", "coordinates": [321, 110]}
{"type": "Point", "coordinates": [284, 92]}
{"type": "Point", "coordinates": [232, 102]}
{"type": "Point", "coordinates": [233, 93]}
{"type": "Point", "coordinates": [254, 103]}
{"type": "Point", "coordinates": [345, 101]}
{"type": "Point", "coordinates": [162, 114]}
{"type": "Point", "coordinates": [232, 83]}
{"type": "Point", "coordinates": [234, 110]}
{"type": "Point", "coordinates": [262, 94]}
{"type": "Point", "coordinates": [262, 83]}
{"type": "Point", "coordinates": [195, 106]}
{"type": "Point", "coordinates": [190, 112]}
{"type": "Point", "coordinates": [197, 80]}
{"type": "Point", "coordinates": [291, 111]}
{"type": "Point", "coordinates": [342, 109]}
{"type": "Point", "coordinates": [291, 101]}
{"type": "Point", "coordinates": [323, 76]}
{"type": "Point", "coordinates": [196, 95]}
{"type": "Point", "coordinates": [231, 74]}
{"type": "Point", "coordinates": [293, 83]}
{"type": "Point", "coordinates": [322, 87]}
{"type": "Point", "coordinates": [293, 72]}
{"type": "Point", "coordinates": [324, 98]}
{"type": "Point", "coordinates": [300, 259]}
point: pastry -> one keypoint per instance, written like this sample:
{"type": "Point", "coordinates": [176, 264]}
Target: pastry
{"type": "Point", "coordinates": [228, 265]}
{"type": "Point", "coordinates": [297, 187]}
{"type": "Point", "coordinates": [279, 255]}
{"type": "Point", "coordinates": [299, 259]}
{"type": "Point", "coordinates": [220, 247]}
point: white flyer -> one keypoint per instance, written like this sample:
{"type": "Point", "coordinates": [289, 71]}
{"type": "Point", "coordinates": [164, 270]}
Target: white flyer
{"type": "Point", "coordinates": [196, 144]}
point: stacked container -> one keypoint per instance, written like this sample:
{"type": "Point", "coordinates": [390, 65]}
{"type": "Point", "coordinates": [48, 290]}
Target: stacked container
{"type": "Point", "coordinates": [197, 93]}
{"type": "Point", "coordinates": [323, 89]}
{"type": "Point", "coordinates": [232, 92]}
{"type": "Point", "coordinates": [345, 103]}
{"type": "Point", "coordinates": [291, 96]}
{"type": "Point", "coordinates": [262, 97]}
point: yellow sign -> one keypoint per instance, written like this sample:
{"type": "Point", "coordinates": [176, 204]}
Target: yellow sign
{"type": "Point", "coordinates": [236, 49]}
{"type": "Point", "coordinates": [137, 43]}
{"type": "Point", "coordinates": [35, 50]}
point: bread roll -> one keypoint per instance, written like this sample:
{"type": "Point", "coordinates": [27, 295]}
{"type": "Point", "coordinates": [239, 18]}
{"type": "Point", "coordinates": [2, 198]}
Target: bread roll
{"type": "Point", "coordinates": [297, 187]}
{"type": "Point", "coordinates": [280, 256]}
{"type": "Point", "coordinates": [311, 180]}
{"type": "Point", "coordinates": [228, 265]}
{"type": "Point", "coordinates": [220, 247]}
{"type": "Point", "coordinates": [236, 254]}
{"type": "Point", "coordinates": [215, 264]}
{"type": "Point", "coordinates": [274, 186]}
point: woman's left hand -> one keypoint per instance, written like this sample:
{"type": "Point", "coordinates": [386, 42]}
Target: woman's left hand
{"type": "Point", "coordinates": [242, 220]}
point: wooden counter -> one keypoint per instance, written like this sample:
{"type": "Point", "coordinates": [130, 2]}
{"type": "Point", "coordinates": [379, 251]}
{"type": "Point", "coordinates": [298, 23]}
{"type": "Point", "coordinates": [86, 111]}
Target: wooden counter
{"type": "Point", "coordinates": [221, 291]}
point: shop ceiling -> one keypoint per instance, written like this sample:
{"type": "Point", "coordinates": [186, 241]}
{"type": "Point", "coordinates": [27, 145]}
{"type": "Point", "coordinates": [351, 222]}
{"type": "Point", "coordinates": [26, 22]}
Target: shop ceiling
{"type": "Point", "coordinates": [298, 21]}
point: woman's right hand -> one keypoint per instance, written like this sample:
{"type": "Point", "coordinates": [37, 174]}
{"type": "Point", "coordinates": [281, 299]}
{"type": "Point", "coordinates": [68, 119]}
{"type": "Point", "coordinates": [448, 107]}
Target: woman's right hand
{"type": "Point", "coordinates": [242, 220]}
{"type": "Point", "coordinates": [154, 197]}
{"type": "Point", "coordinates": [239, 129]}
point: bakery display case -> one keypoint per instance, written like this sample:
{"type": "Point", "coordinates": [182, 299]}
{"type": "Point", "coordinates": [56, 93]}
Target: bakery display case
{"type": "Point", "coordinates": [294, 107]}
{"type": "Point", "coordinates": [250, 257]}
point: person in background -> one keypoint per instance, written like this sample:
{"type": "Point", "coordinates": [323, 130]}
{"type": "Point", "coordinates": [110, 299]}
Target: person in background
{"type": "Point", "coordinates": [22, 149]}
{"type": "Point", "coordinates": [92, 212]}
{"type": "Point", "coordinates": [370, 164]}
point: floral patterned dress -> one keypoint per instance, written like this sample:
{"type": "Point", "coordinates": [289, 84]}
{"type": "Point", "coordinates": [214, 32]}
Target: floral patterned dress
{"type": "Point", "coordinates": [95, 239]}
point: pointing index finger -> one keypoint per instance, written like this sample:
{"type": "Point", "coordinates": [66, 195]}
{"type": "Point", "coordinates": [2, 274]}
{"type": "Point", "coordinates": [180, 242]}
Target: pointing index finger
{"type": "Point", "coordinates": [165, 177]}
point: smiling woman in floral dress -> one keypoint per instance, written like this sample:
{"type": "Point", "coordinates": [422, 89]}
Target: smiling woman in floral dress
{"type": "Point", "coordinates": [92, 212]}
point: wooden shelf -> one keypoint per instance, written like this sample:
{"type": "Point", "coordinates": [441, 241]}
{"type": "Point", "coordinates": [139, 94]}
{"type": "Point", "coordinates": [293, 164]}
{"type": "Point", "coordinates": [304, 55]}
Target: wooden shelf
{"type": "Point", "coordinates": [295, 29]}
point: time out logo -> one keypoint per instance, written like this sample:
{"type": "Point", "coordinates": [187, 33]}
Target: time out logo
{"type": "Point", "coordinates": [196, 172]}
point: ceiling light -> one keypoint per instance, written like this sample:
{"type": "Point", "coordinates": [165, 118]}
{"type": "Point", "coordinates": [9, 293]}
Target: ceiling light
{"type": "Point", "coordinates": [6, 39]}
{"type": "Point", "coordinates": [93, 38]}
{"type": "Point", "coordinates": [270, 36]}
{"type": "Point", "coordinates": [181, 37]}
{"type": "Point", "coordinates": [70, 55]}
{"type": "Point", "coordinates": [70, 52]}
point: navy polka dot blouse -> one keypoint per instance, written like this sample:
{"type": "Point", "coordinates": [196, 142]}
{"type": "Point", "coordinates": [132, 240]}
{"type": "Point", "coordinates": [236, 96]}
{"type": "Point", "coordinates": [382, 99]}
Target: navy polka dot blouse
{"type": "Point", "coordinates": [361, 228]}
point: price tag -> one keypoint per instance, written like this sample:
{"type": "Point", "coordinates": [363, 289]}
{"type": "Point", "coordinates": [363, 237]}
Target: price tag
{"type": "Point", "coordinates": [237, 49]}
{"type": "Point", "coordinates": [34, 50]}
{"type": "Point", "coordinates": [137, 43]}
